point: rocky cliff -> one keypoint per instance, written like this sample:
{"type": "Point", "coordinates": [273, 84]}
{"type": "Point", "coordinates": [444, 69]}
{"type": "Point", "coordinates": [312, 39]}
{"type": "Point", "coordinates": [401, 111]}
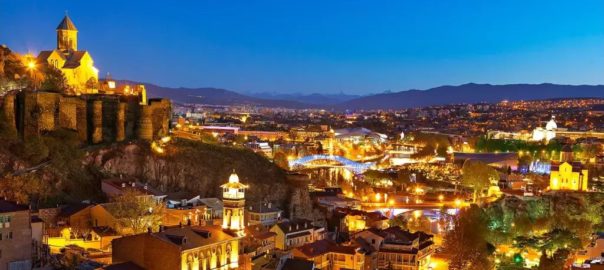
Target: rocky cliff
{"type": "Point", "coordinates": [195, 168]}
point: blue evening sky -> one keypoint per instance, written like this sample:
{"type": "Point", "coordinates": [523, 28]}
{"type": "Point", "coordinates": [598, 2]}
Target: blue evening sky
{"type": "Point", "coordinates": [324, 46]}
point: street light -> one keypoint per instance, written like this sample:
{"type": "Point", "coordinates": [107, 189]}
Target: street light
{"type": "Point", "coordinates": [31, 66]}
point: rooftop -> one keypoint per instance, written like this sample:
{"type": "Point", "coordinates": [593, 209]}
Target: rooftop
{"type": "Point", "coordinates": [10, 206]}
{"type": "Point", "coordinates": [324, 246]}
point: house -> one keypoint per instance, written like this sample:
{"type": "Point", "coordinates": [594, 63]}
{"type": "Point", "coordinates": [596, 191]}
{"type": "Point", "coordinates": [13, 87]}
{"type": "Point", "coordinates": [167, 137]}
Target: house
{"type": "Point", "coordinates": [328, 255]}
{"type": "Point", "coordinates": [102, 217]}
{"type": "Point", "coordinates": [292, 234]}
{"type": "Point", "coordinates": [398, 248]}
{"type": "Point", "coordinates": [75, 215]}
{"type": "Point", "coordinates": [265, 214]}
{"type": "Point", "coordinates": [15, 236]}
{"type": "Point", "coordinates": [257, 247]}
{"type": "Point", "coordinates": [352, 220]}
{"type": "Point", "coordinates": [179, 247]}
{"type": "Point", "coordinates": [98, 238]}
{"type": "Point", "coordinates": [214, 208]}
{"type": "Point", "coordinates": [182, 210]}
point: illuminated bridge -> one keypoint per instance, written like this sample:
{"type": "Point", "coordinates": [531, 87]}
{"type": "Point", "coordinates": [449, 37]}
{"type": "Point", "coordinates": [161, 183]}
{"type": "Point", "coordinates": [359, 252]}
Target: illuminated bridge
{"type": "Point", "coordinates": [314, 161]}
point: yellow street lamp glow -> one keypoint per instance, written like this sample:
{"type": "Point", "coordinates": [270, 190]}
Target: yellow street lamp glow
{"type": "Point", "coordinates": [378, 197]}
{"type": "Point", "coordinates": [458, 202]}
{"type": "Point", "coordinates": [441, 197]}
{"type": "Point", "coordinates": [31, 65]}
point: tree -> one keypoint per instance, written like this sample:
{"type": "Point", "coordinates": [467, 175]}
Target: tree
{"type": "Point", "coordinates": [466, 242]}
{"type": "Point", "coordinates": [92, 84]}
{"type": "Point", "coordinates": [54, 80]}
{"type": "Point", "coordinates": [478, 175]}
{"type": "Point", "coordinates": [136, 211]}
{"type": "Point", "coordinates": [555, 262]}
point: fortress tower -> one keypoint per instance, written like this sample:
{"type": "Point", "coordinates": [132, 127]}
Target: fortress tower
{"type": "Point", "coordinates": [233, 197]}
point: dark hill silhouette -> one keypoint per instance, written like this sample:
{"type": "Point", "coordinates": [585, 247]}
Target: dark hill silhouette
{"type": "Point", "coordinates": [214, 96]}
{"type": "Point", "coordinates": [471, 93]}
{"type": "Point", "coordinates": [465, 93]}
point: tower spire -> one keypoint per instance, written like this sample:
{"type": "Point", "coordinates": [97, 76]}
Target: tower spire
{"type": "Point", "coordinates": [67, 35]}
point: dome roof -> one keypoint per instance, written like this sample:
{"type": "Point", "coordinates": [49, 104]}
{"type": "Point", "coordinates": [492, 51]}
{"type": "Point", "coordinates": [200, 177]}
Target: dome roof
{"type": "Point", "coordinates": [234, 178]}
{"type": "Point", "coordinates": [551, 125]}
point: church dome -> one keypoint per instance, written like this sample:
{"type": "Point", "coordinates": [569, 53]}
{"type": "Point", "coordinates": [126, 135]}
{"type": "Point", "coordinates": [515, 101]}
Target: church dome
{"type": "Point", "coordinates": [234, 178]}
{"type": "Point", "coordinates": [551, 125]}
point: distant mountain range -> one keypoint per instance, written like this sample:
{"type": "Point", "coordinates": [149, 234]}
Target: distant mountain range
{"type": "Point", "coordinates": [471, 93]}
{"type": "Point", "coordinates": [466, 93]}
{"type": "Point", "coordinates": [314, 98]}
{"type": "Point", "coordinates": [215, 96]}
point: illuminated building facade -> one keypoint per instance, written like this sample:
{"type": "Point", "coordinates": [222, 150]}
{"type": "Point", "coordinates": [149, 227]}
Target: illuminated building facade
{"type": "Point", "coordinates": [568, 176]}
{"type": "Point", "coordinates": [233, 198]}
{"type": "Point", "coordinates": [77, 66]}
{"type": "Point", "coordinates": [540, 134]}
{"type": "Point", "coordinates": [329, 255]}
{"type": "Point", "coordinates": [180, 247]}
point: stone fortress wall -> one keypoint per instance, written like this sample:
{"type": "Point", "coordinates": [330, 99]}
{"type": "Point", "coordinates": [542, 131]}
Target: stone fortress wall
{"type": "Point", "coordinates": [97, 118]}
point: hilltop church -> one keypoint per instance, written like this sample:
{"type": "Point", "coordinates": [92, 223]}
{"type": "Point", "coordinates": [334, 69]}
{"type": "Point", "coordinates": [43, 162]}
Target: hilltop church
{"type": "Point", "coordinates": [77, 66]}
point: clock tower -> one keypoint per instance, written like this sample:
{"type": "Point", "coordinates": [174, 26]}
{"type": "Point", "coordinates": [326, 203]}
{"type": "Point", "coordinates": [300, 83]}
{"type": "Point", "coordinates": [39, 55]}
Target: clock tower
{"type": "Point", "coordinates": [233, 198]}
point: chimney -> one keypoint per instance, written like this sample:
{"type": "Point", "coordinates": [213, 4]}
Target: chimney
{"type": "Point", "coordinates": [149, 230]}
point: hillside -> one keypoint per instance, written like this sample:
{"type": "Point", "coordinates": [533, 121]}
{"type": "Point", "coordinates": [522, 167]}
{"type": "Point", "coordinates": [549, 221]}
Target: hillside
{"type": "Point", "coordinates": [195, 168]}
{"type": "Point", "coordinates": [471, 93]}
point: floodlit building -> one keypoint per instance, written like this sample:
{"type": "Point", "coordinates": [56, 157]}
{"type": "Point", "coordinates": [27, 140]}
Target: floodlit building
{"type": "Point", "coordinates": [352, 220]}
{"type": "Point", "coordinates": [568, 176]}
{"type": "Point", "coordinates": [233, 198]}
{"type": "Point", "coordinates": [540, 134]}
{"type": "Point", "coordinates": [77, 66]}
{"type": "Point", "coordinates": [180, 247]}
{"type": "Point", "coordinates": [329, 255]}
{"type": "Point", "coordinates": [264, 214]}
{"type": "Point", "coordinates": [292, 234]}
{"type": "Point", "coordinates": [190, 246]}
{"type": "Point", "coordinates": [399, 249]}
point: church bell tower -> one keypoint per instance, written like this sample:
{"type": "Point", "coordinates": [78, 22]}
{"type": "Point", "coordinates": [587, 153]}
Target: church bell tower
{"type": "Point", "coordinates": [233, 198]}
{"type": "Point", "coordinates": [67, 36]}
